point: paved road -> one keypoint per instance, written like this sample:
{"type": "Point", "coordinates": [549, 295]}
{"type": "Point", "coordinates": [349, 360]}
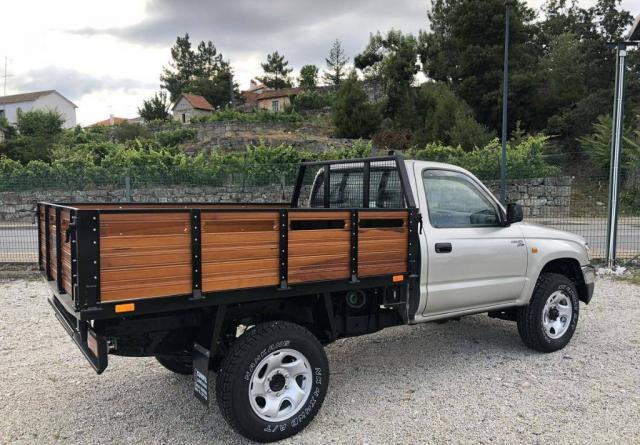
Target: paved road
{"type": "Point", "coordinates": [19, 243]}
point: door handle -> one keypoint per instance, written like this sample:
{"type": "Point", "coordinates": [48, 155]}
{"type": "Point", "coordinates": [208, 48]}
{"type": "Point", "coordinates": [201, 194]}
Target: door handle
{"type": "Point", "coordinates": [443, 248]}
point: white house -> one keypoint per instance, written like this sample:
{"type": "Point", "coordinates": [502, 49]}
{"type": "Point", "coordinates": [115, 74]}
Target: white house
{"type": "Point", "coordinates": [11, 106]}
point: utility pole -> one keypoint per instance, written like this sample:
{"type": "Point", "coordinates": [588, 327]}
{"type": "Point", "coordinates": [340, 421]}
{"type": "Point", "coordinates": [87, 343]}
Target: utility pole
{"type": "Point", "coordinates": [617, 129]}
{"type": "Point", "coordinates": [505, 97]}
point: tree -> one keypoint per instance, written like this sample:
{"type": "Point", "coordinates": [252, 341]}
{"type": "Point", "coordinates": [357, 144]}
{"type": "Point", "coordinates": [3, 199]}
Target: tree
{"type": "Point", "coordinates": [465, 49]}
{"type": "Point", "coordinates": [202, 71]}
{"type": "Point", "coordinates": [38, 131]}
{"type": "Point", "coordinates": [308, 77]}
{"type": "Point", "coordinates": [336, 64]}
{"type": "Point", "coordinates": [44, 123]}
{"type": "Point", "coordinates": [444, 118]}
{"type": "Point", "coordinates": [353, 115]}
{"type": "Point", "coordinates": [276, 71]}
{"type": "Point", "coordinates": [394, 58]}
{"type": "Point", "coordinates": [155, 108]}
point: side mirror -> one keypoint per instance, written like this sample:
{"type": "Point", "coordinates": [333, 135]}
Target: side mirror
{"type": "Point", "coordinates": [514, 213]}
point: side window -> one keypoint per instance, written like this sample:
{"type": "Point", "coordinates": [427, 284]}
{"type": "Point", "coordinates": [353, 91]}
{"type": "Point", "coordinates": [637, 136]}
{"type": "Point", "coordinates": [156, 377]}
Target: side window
{"type": "Point", "coordinates": [453, 200]}
{"type": "Point", "coordinates": [275, 105]}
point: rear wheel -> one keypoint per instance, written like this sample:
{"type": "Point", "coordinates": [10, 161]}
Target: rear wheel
{"type": "Point", "coordinates": [273, 381]}
{"type": "Point", "coordinates": [549, 321]}
{"type": "Point", "coordinates": [178, 363]}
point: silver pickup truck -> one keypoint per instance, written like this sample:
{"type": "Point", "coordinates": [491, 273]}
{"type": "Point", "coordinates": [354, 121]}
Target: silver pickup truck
{"type": "Point", "coordinates": [252, 292]}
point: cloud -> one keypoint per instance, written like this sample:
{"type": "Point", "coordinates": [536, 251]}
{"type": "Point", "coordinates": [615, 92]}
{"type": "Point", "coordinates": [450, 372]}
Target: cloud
{"type": "Point", "coordinates": [74, 84]}
{"type": "Point", "coordinates": [303, 30]}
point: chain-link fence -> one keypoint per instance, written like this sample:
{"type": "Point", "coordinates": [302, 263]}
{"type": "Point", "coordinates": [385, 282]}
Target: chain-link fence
{"type": "Point", "coordinates": [574, 205]}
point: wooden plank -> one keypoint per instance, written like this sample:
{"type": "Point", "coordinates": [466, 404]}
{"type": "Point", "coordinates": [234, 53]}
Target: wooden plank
{"type": "Point", "coordinates": [145, 258]}
{"type": "Point", "coordinates": [218, 283]}
{"type": "Point", "coordinates": [388, 214]}
{"type": "Point", "coordinates": [239, 216]}
{"type": "Point", "coordinates": [116, 218]}
{"type": "Point", "coordinates": [320, 235]}
{"type": "Point", "coordinates": [146, 228]}
{"type": "Point", "coordinates": [319, 275]}
{"type": "Point", "coordinates": [136, 243]}
{"type": "Point", "coordinates": [247, 267]}
{"type": "Point", "coordinates": [152, 290]}
{"type": "Point", "coordinates": [138, 274]}
{"type": "Point", "coordinates": [243, 237]}
{"type": "Point", "coordinates": [239, 225]}
{"type": "Point", "coordinates": [252, 251]}
{"type": "Point", "coordinates": [295, 215]}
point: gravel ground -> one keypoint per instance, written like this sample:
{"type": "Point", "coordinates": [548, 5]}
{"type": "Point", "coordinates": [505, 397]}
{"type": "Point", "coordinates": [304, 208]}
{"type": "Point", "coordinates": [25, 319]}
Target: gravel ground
{"type": "Point", "coordinates": [466, 382]}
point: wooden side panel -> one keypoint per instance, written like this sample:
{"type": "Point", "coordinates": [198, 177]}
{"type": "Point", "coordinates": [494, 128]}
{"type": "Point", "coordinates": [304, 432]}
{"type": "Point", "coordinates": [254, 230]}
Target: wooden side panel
{"type": "Point", "coordinates": [383, 248]}
{"type": "Point", "coordinates": [65, 219]}
{"type": "Point", "coordinates": [319, 254]}
{"type": "Point", "coordinates": [144, 255]}
{"type": "Point", "coordinates": [239, 250]}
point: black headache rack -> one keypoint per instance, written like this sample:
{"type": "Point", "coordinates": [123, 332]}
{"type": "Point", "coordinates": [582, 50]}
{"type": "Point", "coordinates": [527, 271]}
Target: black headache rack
{"type": "Point", "coordinates": [77, 308]}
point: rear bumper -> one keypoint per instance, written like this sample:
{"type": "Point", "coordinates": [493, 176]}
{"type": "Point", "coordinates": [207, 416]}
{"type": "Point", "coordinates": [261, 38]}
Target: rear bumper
{"type": "Point", "coordinates": [93, 346]}
{"type": "Point", "coordinates": [589, 277]}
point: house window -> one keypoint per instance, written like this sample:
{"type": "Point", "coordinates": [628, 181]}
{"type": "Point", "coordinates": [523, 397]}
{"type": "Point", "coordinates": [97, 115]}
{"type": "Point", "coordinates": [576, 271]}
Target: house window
{"type": "Point", "coordinates": [1, 113]}
{"type": "Point", "coordinates": [275, 105]}
{"type": "Point", "coordinates": [184, 118]}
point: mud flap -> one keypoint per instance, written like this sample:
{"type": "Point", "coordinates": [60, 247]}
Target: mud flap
{"type": "Point", "coordinates": [201, 373]}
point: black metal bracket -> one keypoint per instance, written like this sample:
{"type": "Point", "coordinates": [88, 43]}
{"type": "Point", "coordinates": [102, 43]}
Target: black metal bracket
{"type": "Point", "coordinates": [283, 249]}
{"type": "Point", "coordinates": [415, 220]}
{"type": "Point", "coordinates": [366, 184]}
{"type": "Point", "coordinates": [327, 186]}
{"type": "Point", "coordinates": [87, 245]}
{"type": "Point", "coordinates": [59, 252]}
{"type": "Point", "coordinates": [47, 242]}
{"type": "Point", "coordinates": [354, 246]}
{"type": "Point", "coordinates": [38, 219]}
{"type": "Point", "coordinates": [74, 256]}
{"type": "Point", "coordinates": [295, 198]}
{"type": "Point", "coordinates": [196, 253]}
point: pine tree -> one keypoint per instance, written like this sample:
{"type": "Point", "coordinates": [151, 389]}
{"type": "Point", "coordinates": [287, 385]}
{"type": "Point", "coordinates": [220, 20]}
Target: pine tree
{"type": "Point", "coordinates": [308, 77]}
{"type": "Point", "coordinates": [276, 71]}
{"type": "Point", "coordinates": [336, 64]}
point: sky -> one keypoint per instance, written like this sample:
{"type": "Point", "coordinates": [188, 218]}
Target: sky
{"type": "Point", "coordinates": [106, 57]}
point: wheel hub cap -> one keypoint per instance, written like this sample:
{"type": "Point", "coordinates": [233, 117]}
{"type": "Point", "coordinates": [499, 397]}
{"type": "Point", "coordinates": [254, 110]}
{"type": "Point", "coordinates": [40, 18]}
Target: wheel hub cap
{"type": "Point", "coordinates": [280, 385]}
{"type": "Point", "coordinates": [557, 314]}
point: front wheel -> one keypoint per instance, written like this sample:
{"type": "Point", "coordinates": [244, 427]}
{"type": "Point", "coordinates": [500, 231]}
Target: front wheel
{"type": "Point", "coordinates": [273, 381]}
{"type": "Point", "coordinates": [549, 321]}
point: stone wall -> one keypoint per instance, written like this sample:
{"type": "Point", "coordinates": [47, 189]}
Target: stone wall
{"type": "Point", "coordinates": [539, 196]}
{"type": "Point", "coordinates": [235, 136]}
{"type": "Point", "coordinates": [20, 206]}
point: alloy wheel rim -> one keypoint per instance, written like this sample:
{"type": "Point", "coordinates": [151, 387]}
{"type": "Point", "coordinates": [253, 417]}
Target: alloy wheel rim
{"type": "Point", "coordinates": [557, 314]}
{"type": "Point", "coordinates": [280, 385]}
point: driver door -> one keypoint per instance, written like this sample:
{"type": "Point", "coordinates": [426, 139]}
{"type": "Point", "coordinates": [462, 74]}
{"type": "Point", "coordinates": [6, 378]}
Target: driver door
{"type": "Point", "coordinates": [473, 260]}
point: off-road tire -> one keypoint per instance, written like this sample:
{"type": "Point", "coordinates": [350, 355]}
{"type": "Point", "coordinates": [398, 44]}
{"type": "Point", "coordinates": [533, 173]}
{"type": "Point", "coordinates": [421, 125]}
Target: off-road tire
{"type": "Point", "coordinates": [530, 318]}
{"type": "Point", "coordinates": [180, 364]}
{"type": "Point", "coordinates": [233, 380]}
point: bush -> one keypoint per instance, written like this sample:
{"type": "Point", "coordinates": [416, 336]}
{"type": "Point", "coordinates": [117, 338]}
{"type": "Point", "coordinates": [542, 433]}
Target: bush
{"type": "Point", "coordinates": [353, 115]}
{"type": "Point", "coordinates": [229, 114]}
{"type": "Point", "coordinates": [311, 100]}
{"type": "Point", "coordinates": [523, 160]}
{"type": "Point", "coordinates": [172, 138]}
{"type": "Point", "coordinates": [40, 123]}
